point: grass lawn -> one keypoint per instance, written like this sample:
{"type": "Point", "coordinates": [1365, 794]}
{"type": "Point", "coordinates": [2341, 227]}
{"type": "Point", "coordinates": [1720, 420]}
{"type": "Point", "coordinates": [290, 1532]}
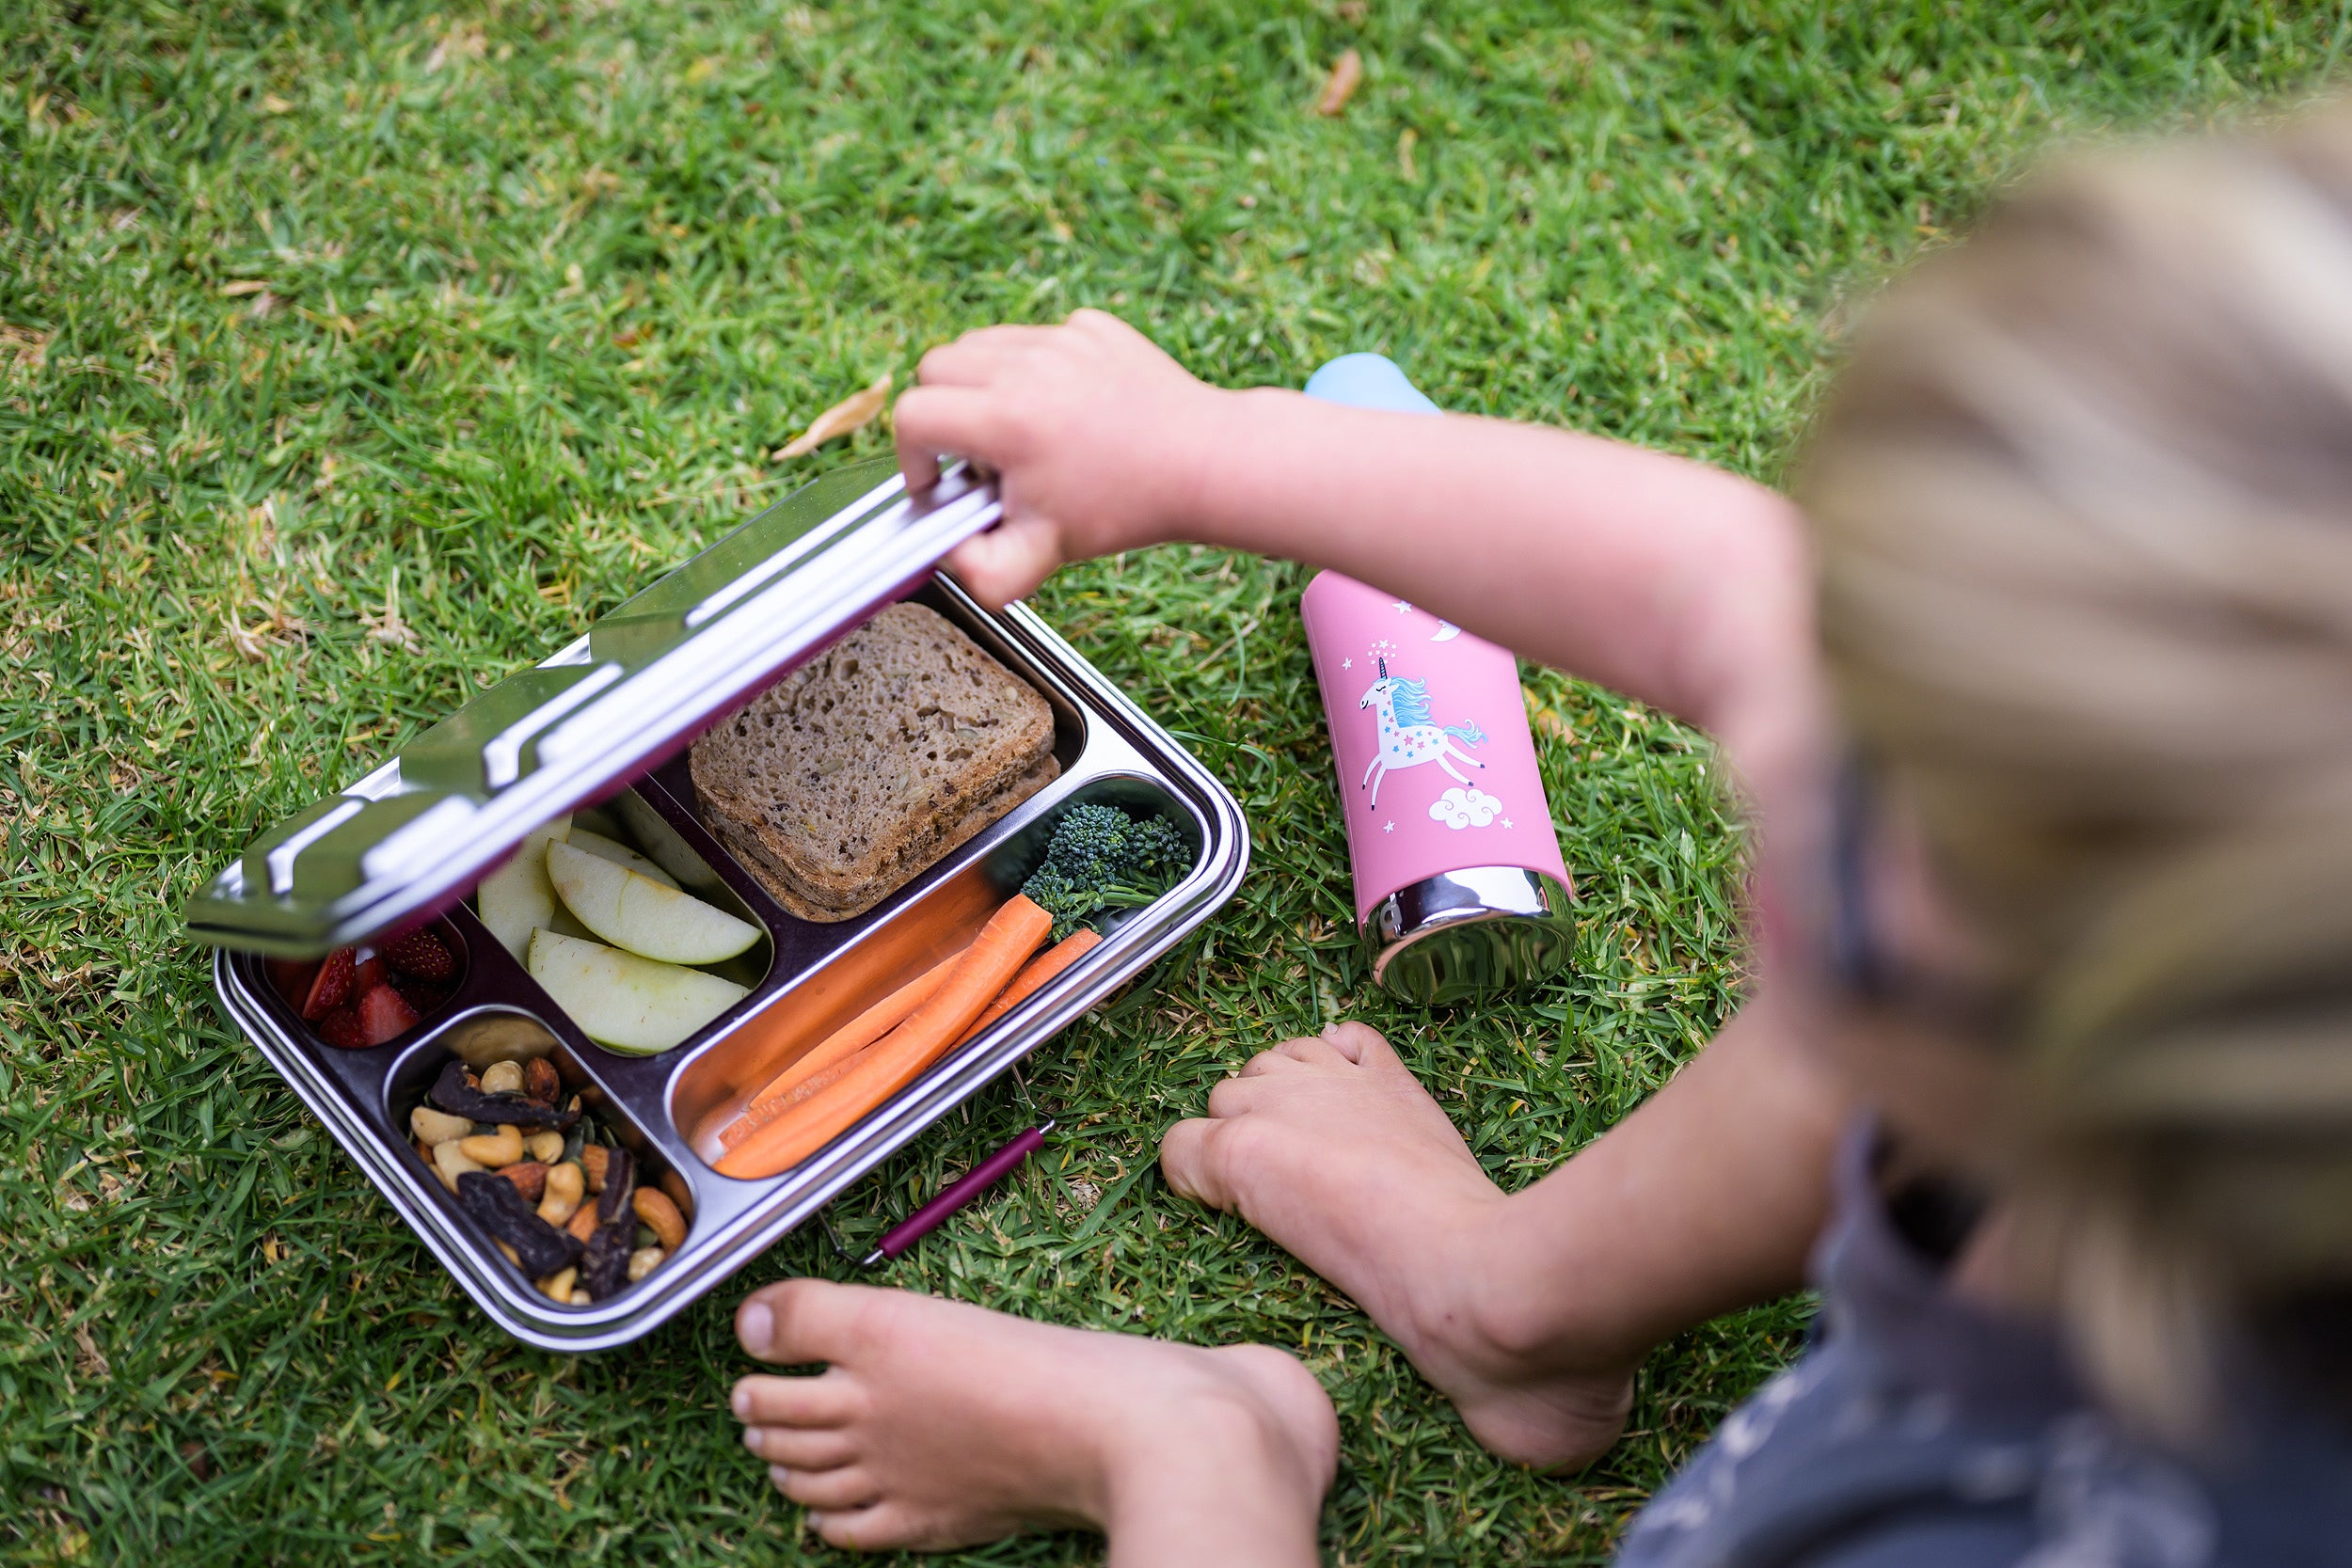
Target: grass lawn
{"type": "Point", "coordinates": [351, 355]}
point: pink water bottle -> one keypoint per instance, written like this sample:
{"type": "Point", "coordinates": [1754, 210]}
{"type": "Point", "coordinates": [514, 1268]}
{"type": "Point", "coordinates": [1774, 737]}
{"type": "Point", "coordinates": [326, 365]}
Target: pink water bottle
{"type": "Point", "coordinates": [1460, 888]}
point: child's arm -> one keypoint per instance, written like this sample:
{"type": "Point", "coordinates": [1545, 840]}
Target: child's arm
{"type": "Point", "coordinates": [1678, 584]}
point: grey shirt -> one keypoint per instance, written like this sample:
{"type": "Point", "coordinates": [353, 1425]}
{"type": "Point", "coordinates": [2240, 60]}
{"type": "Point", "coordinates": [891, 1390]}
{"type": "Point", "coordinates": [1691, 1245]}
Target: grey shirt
{"type": "Point", "coordinates": [1926, 1430]}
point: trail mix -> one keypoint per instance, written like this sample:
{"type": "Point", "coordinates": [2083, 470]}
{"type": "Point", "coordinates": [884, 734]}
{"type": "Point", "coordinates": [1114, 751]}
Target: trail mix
{"type": "Point", "coordinates": [567, 1207]}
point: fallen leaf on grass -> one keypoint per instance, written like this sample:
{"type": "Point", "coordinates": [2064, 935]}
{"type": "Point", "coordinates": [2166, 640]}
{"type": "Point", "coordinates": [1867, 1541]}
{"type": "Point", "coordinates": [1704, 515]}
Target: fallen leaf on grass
{"type": "Point", "coordinates": [246, 286]}
{"type": "Point", "coordinates": [851, 413]}
{"type": "Point", "coordinates": [1339, 85]}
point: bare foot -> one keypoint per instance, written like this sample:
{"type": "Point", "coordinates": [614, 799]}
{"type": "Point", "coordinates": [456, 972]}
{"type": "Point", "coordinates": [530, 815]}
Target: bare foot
{"type": "Point", "coordinates": [1331, 1147]}
{"type": "Point", "coordinates": [938, 1424]}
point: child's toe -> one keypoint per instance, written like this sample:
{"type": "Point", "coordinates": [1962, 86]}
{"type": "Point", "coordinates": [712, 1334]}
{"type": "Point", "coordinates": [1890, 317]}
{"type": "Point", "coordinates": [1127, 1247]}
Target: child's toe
{"type": "Point", "coordinates": [799, 1448]}
{"type": "Point", "coordinates": [848, 1488]}
{"type": "Point", "coordinates": [828, 1400]}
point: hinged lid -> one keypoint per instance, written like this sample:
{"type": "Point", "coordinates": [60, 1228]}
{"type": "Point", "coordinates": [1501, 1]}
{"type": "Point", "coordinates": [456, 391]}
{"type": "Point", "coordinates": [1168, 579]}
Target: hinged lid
{"type": "Point", "coordinates": [421, 829]}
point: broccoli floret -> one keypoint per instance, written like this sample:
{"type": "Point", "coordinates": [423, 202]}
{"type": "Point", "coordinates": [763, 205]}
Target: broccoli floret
{"type": "Point", "coordinates": [1101, 859]}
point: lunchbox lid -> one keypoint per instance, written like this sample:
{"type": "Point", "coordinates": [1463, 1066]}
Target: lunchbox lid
{"type": "Point", "coordinates": [417, 832]}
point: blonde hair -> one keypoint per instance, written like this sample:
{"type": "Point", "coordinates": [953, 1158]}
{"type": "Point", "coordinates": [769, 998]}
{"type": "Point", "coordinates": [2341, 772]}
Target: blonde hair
{"type": "Point", "coordinates": [2083, 499]}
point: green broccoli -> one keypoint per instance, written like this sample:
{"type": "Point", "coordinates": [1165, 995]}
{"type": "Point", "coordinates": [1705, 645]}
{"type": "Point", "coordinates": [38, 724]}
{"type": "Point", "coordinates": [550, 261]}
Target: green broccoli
{"type": "Point", "coordinates": [1101, 858]}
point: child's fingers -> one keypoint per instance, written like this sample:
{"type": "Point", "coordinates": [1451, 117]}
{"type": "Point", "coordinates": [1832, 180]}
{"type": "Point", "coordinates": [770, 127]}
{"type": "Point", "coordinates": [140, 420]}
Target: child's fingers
{"type": "Point", "coordinates": [1008, 560]}
{"type": "Point", "coordinates": [979, 357]}
{"type": "Point", "coordinates": [930, 423]}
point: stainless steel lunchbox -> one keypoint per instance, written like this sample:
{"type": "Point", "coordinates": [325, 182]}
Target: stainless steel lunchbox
{"type": "Point", "coordinates": [606, 720]}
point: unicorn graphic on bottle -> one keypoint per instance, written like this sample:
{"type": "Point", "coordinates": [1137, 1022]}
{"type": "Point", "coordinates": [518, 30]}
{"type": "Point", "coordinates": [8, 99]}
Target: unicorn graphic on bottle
{"type": "Point", "coordinates": [1408, 738]}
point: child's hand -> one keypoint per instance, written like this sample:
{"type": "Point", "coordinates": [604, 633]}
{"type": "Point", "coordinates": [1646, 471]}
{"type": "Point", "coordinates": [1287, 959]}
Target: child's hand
{"type": "Point", "coordinates": [1095, 435]}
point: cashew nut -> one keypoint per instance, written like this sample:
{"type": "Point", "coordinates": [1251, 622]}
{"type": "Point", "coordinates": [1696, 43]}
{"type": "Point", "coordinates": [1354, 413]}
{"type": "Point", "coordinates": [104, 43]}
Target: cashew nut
{"type": "Point", "coordinates": [493, 1149]}
{"type": "Point", "coordinates": [680, 1193]}
{"type": "Point", "coordinates": [656, 1210]}
{"type": "Point", "coordinates": [502, 1078]}
{"type": "Point", "coordinates": [450, 1160]}
{"type": "Point", "coordinates": [433, 1128]}
{"type": "Point", "coordinates": [558, 1287]}
{"type": "Point", "coordinates": [547, 1148]}
{"type": "Point", "coordinates": [644, 1261]}
{"type": "Point", "coordinates": [512, 1256]}
{"type": "Point", "coordinates": [561, 1199]}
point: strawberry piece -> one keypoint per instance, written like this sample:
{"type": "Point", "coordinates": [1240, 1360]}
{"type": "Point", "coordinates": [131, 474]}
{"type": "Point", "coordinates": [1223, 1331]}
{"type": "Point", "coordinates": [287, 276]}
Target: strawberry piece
{"type": "Point", "coordinates": [385, 1015]}
{"type": "Point", "coordinates": [333, 987]}
{"type": "Point", "coordinates": [291, 977]}
{"type": "Point", "coordinates": [420, 954]}
{"type": "Point", "coordinates": [342, 1029]}
{"type": "Point", "coordinates": [368, 975]}
{"type": "Point", "coordinates": [423, 998]}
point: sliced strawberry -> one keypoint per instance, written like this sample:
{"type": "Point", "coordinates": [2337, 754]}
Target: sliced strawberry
{"type": "Point", "coordinates": [342, 1029]}
{"type": "Point", "coordinates": [385, 1015]}
{"type": "Point", "coordinates": [291, 977]}
{"type": "Point", "coordinates": [420, 954]}
{"type": "Point", "coordinates": [333, 987]}
{"type": "Point", "coordinates": [368, 975]}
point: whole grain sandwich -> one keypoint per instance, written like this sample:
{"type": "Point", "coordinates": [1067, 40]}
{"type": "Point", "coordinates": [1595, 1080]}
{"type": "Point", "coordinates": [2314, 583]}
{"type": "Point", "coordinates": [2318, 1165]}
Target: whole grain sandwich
{"type": "Point", "coordinates": [845, 780]}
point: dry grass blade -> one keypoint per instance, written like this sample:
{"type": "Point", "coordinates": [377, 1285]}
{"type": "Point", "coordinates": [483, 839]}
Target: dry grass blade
{"type": "Point", "coordinates": [851, 413]}
{"type": "Point", "coordinates": [1338, 88]}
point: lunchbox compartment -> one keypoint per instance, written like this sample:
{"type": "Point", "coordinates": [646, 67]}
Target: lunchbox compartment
{"type": "Point", "coordinates": [482, 1036]}
{"type": "Point", "coordinates": [453, 991]}
{"type": "Point", "coordinates": [715, 1086]}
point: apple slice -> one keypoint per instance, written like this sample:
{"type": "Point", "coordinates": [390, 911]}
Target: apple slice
{"type": "Point", "coordinates": [640, 915]}
{"type": "Point", "coordinates": [625, 1003]}
{"type": "Point", "coordinates": [516, 898]}
{"type": "Point", "coordinates": [618, 853]}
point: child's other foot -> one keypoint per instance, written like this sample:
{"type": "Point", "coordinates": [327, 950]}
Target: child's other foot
{"type": "Point", "coordinates": [938, 1424]}
{"type": "Point", "coordinates": [1331, 1147]}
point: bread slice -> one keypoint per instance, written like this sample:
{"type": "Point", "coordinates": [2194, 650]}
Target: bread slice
{"type": "Point", "coordinates": [842, 781]}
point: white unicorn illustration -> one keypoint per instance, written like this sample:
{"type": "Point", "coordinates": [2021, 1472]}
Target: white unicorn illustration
{"type": "Point", "coordinates": [1408, 738]}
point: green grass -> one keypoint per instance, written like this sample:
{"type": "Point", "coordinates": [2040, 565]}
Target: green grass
{"type": "Point", "coordinates": [353, 355]}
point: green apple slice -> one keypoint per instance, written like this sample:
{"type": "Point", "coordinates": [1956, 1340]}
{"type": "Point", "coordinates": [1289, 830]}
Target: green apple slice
{"type": "Point", "coordinates": [625, 1003]}
{"type": "Point", "coordinates": [618, 853]}
{"type": "Point", "coordinates": [639, 915]}
{"type": "Point", "coordinates": [517, 898]}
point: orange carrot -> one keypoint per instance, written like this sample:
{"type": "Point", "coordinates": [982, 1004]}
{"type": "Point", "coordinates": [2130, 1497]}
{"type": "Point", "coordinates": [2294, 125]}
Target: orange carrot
{"type": "Point", "coordinates": [835, 1048]}
{"type": "Point", "coordinates": [995, 956]}
{"type": "Point", "coordinates": [1034, 975]}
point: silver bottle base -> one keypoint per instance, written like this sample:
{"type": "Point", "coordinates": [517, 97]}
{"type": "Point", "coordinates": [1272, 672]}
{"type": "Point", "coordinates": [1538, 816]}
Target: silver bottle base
{"type": "Point", "coordinates": [1466, 934]}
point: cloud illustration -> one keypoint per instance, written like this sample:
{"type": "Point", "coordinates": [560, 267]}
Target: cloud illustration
{"type": "Point", "coordinates": [1460, 808]}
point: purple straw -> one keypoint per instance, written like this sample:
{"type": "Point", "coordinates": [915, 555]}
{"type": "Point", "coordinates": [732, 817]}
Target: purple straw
{"type": "Point", "coordinates": [963, 1190]}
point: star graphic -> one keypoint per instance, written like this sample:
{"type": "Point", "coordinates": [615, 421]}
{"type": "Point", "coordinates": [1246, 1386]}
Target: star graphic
{"type": "Point", "coordinates": [1506, 821]}
{"type": "Point", "coordinates": [1390, 828]}
{"type": "Point", "coordinates": [1403, 609]}
{"type": "Point", "coordinates": [1347, 664]}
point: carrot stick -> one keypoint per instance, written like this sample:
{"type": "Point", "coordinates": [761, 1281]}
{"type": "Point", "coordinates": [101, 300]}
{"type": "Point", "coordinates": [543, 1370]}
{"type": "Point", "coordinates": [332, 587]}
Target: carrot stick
{"type": "Point", "coordinates": [995, 956]}
{"type": "Point", "coordinates": [835, 1048]}
{"type": "Point", "coordinates": [1034, 975]}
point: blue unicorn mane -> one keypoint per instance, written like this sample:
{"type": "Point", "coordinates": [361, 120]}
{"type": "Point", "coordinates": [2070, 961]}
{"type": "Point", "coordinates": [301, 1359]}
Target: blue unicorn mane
{"type": "Point", "coordinates": [1411, 702]}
